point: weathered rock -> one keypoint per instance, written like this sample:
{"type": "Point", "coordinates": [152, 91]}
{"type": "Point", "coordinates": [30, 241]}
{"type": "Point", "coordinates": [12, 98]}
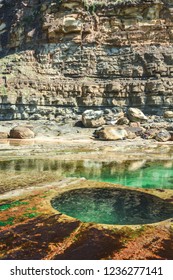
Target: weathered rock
{"type": "Point", "coordinates": [135, 130]}
{"type": "Point", "coordinates": [163, 136]}
{"type": "Point", "coordinates": [3, 135]}
{"type": "Point", "coordinates": [70, 24]}
{"type": "Point", "coordinates": [149, 133]}
{"type": "Point", "coordinates": [136, 115]}
{"type": "Point", "coordinates": [112, 133]}
{"type": "Point", "coordinates": [123, 121]}
{"type": "Point", "coordinates": [85, 53]}
{"type": "Point", "coordinates": [131, 135]}
{"type": "Point", "coordinates": [21, 132]}
{"type": "Point", "coordinates": [135, 124]}
{"type": "Point", "coordinates": [91, 118]}
{"type": "Point", "coordinates": [171, 133]}
{"type": "Point", "coordinates": [168, 114]}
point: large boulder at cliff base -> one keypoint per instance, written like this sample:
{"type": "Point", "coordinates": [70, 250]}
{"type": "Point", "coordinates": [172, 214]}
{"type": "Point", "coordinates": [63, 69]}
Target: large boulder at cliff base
{"type": "Point", "coordinates": [163, 136]}
{"type": "Point", "coordinates": [21, 132]}
{"type": "Point", "coordinates": [93, 119]}
{"type": "Point", "coordinates": [136, 115]}
{"type": "Point", "coordinates": [111, 133]}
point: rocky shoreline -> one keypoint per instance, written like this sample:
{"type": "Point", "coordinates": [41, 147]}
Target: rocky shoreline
{"type": "Point", "coordinates": [110, 125]}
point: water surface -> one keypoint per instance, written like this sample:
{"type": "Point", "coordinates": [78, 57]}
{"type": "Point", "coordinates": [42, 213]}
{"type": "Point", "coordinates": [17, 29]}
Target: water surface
{"type": "Point", "coordinates": [113, 206]}
{"type": "Point", "coordinates": [142, 174]}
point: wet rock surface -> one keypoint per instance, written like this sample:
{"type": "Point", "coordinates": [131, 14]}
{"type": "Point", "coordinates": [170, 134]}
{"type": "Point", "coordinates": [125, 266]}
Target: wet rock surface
{"type": "Point", "coordinates": [25, 200]}
{"type": "Point", "coordinates": [31, 229]}
{"type": "Point", "coordinates": [58, 60]}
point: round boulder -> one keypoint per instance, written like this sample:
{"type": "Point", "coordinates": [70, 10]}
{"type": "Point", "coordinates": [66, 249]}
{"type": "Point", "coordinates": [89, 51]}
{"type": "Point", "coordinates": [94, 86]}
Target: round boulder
{"type": "Point", "coordinates": [112, 133]}
{"type": "Point", "coordinates": [136, 115]}
{"type": "Point", "coordinates": [93, 119]}
{"type": "Point", "coordinates": [21, 132]}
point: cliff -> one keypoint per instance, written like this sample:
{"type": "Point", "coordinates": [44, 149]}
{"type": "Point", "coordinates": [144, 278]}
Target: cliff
{"type": "Point", "coordinates": [61, 57]}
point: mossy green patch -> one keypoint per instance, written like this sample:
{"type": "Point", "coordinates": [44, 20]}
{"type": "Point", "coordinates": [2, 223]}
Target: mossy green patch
{"type": "Point", "coordinates": [7, 206]}
{"type": "Point", "coordinates": [30, 215]}
{"type": "Point", "coordinates": [9, 221]}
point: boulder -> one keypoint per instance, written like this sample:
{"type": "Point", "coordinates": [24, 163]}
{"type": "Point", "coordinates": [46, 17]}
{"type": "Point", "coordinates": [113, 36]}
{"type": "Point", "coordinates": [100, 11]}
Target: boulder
{"type": "Point", "coordinates": [91, 118]}
{"type": "Point", "coordinates": [171, 133]}
{"type": "Point", "coordinates": [150, 133]}
{"type": "Point", "coordinates": [135, 130]}
{"type": "Point", "coordinates": [21, 132]}
{"type": "Point", "coordinates": [3, 135]}
{"type": "Point", "coordinates": [168, 114]}
{"type": "Point", "coordinates": [111, 133]}
{"type": "Point", "coordinates": [131, 135]}
{"type": "Point", "coordinates": [163, 136]}
{"type": "Point", "coordinates": [135, 124]}
{"type": "Point", "coordinates": [122, 121]}
{"type": "Point", "coordinates": [136, 115]}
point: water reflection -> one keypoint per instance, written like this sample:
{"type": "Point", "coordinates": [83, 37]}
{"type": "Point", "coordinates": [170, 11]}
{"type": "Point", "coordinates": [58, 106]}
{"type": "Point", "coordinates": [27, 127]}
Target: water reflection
{"type": "Point", "coordinates": [143, 174]}
{"type": "Point", "coordinates": [18, 142]}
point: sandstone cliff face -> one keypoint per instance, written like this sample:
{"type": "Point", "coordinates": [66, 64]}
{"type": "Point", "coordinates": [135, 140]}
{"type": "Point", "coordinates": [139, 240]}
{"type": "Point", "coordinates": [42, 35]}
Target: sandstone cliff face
{"type": "Point", "coordinates": [84, 53]}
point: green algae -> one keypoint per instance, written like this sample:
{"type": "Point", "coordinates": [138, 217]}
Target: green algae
{"type": "Point", "coordinates": [31, 215]}
{"type": "Point", "coordinates": [7, 206]}
{"type": "Point", "coordinates": [9, 221]}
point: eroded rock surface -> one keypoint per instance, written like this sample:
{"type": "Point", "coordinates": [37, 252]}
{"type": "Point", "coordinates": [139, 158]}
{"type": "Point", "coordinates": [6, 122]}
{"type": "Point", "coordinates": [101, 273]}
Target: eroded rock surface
{"type": "Point", "coordinates": [82, 54]}
{"type": "Point", "coordinates": [31, 229]}
{"type": "Point", "coordinates": [111, 133]}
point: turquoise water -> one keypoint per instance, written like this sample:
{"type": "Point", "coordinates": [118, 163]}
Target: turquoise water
{"type": "Point", "coordinates": [106, 206]}
{"type": "Point", "coordinates": [112, 206]}
{"type": "Point", "coordinates": [142, 174]}
{"type": "Point", "coordinates": [156, 175]}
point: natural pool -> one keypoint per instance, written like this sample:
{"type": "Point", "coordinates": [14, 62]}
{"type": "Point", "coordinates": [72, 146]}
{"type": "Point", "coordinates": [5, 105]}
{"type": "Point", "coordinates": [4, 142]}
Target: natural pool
{"type": "Point", "coordinates": [133, 173]}
{"type": "Point", "coordinates": [98, 205]}
{"type": "Point", "coordinates": [112, 206]}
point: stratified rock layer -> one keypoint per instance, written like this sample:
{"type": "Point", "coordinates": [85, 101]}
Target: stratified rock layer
{"type": "Point", "coordinates": [84, 53]}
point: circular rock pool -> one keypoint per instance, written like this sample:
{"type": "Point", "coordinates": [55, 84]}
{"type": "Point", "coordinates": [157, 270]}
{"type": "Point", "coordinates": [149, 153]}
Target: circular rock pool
{"type": "Point", "coordinates": [112, 206]}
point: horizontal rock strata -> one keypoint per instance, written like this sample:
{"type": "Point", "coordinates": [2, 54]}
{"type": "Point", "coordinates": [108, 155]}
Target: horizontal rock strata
{"type": "Point", "coordinates": [61, 57]}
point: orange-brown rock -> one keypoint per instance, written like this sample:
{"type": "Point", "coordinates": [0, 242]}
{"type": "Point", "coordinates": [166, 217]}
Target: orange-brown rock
{"type": "Point", "coordinates": [21, 132]}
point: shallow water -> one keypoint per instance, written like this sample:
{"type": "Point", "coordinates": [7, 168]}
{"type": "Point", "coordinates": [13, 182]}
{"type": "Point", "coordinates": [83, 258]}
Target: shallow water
{"type": "Point", "coordinates": [143, 174]}
{"type": "Point", "coordinates": [113, 206]}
